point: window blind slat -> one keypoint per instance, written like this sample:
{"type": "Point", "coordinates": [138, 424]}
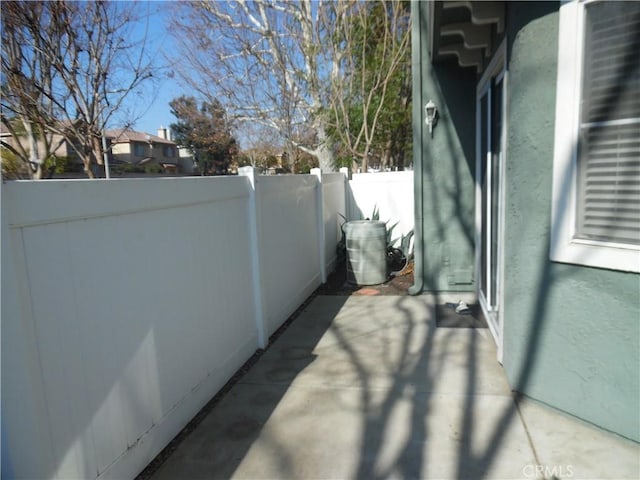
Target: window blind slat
{"type": "Point", "coordinates": [604, 214]}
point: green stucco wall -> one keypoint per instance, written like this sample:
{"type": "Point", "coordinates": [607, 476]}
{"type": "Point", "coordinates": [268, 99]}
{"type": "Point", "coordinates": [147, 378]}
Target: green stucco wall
{"type": "Point", "coordinates": [571, 333]}
{"type": "Point", "coordinates": [445, 181]}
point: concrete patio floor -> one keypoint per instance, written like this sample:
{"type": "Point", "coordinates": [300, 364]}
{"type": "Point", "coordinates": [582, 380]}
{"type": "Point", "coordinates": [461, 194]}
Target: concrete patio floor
{"type": "Point", "coordinates": [368, 387]}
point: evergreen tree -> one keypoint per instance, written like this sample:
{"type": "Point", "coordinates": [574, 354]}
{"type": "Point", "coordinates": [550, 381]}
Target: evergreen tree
{"type": "Point", "coordinates": [205, 130]}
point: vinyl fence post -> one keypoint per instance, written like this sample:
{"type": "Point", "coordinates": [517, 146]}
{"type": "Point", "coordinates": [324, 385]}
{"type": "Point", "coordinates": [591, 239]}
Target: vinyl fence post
{"type": "Point", "coordinates": [347, 197]}
{"type": "Point", "coordinates": [256, 257]}
{"type": "Point", "coordinates": [322, 254]}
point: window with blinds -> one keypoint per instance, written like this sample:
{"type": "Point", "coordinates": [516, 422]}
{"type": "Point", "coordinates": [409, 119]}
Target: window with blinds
{"type": "Point", "coordinates": [608, 162]}
{"type": "Point", "coordinates": [139, 149]}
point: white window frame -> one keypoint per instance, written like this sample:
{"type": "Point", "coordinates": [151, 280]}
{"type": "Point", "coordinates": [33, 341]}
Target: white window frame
{"type": "Point", "coordinates": [564, 247]}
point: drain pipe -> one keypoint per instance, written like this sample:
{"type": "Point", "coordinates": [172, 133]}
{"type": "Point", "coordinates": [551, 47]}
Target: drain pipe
{"type": "Point", "coordinates": [416, 69]}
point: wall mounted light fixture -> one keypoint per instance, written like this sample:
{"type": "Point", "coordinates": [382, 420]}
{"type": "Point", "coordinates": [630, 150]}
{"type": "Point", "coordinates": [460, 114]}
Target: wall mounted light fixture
{"type": "Point", "coordinates": [431, 115]}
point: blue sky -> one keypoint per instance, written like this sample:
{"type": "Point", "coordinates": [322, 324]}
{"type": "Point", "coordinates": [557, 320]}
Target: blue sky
{"type": "Point", "coordinates": [155, 108]}
{"type": "Point", "coordinates": [152, 108]}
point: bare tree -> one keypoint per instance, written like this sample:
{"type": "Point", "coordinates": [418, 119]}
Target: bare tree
{"type": "Point", "coordinates": [370, 43]}
{"type": "Point", "coordinates": [25, 78]}
{"type": "Point", "coordinates": [259, 144]}
{"type": "Point", "coordinates": [67, 68]}
{"type": "Point", "coordinates": [264, 60]}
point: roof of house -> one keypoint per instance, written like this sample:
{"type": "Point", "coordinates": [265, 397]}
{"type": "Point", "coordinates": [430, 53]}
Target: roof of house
{"type": "Point", "coordinates": [126, 136]}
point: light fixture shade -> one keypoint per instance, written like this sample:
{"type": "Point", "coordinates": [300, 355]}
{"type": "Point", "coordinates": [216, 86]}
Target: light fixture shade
{"type": "Point", "coordinates": [431, 115]}
{"type": "Point", "coordinates": [430, 110]}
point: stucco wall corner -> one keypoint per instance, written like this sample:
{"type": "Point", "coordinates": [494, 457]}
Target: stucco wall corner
{"type": "Point", "coordinates": [571, 333]}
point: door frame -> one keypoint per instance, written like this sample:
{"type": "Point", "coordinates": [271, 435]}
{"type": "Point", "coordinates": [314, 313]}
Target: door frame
{"type": "Point", "coordinates": [496, 69]}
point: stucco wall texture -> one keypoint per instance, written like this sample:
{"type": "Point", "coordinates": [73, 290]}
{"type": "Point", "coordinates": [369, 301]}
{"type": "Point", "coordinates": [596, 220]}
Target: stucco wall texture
{"type": "Point", "coordinates": [448, 168]}
{"type": "Point", "coordinates": [571, 333]}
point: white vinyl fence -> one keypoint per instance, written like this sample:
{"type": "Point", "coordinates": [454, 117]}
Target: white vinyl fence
{"type": "Point", "coordinates": [288, 221]}
{"type": "Point", "coordinates": [388, 193]}
{"type": "Point", "coordinates": [127, 304]}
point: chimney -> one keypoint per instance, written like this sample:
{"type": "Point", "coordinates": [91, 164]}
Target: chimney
{"type": "Point", "coordinates": [162, 133]}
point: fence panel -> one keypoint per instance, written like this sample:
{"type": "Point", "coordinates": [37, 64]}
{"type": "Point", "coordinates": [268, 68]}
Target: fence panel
{"type": "Point", "coordinates": [288, 243]}
{"type": "Point", "coordinates": [390, 193]}
{"type": "Point", "coordinates": [334, 190]}
{"type": "Point", "coordinates": [133, 315]}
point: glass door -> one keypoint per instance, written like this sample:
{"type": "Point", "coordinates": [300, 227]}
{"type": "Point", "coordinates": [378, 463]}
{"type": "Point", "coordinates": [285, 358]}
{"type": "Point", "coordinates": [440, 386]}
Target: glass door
{"type": "Point", "coordinates": [489, 166]}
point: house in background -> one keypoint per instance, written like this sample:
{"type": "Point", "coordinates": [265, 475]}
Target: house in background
{"type": "Point", "coordinates": [126, 147]}
{"type": "Point", "coordinates": [186, 158]}
{"type": "Point", "coordinates": [142, 149]}
{"type": "Point", "coordinates": [527, 187]}
{"type": "Point", "coordinates": [61, 147]}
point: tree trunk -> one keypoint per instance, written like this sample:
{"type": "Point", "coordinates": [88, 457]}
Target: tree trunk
{"type": "Point", "coordinates": [36, 164]}
{"type": "Point", "coordinates": [86, 161]}
{"type": "Point", "coordinates": [387, 156]}
{"type": "Point", "coordinates": [324, 152]}
{"type": "Point", "coordinates": [325, 159]}
{"type": "Point", "coordinates": [365, 160]}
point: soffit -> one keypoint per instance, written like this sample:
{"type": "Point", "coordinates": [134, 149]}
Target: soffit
{"type": "Point", "coordinates": [465, 30]}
